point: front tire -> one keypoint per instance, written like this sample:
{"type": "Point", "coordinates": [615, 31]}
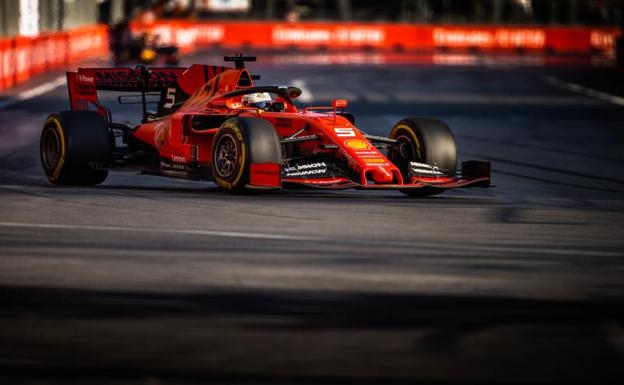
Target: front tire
{"type": "Point", "coordinates": [74, 147]}
{"type": "Point", "coordinates": [240, 142]}
{"type": "Point", "coordinates": [423, 140]}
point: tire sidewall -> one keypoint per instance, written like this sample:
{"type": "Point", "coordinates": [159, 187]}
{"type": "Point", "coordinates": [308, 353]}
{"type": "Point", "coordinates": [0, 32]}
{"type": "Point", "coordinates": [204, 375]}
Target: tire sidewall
{"type": "Point", "coordinates": [238, 179]}
{"type": "Point", "coordinates": [405, 129]}
{"type": "Point", "coordinates": [84, 140]}
{"type": "Point", "coordinates": [434, 138]}
{"type": "Point", "coordinates": [54, 174]}
{"type": "Point", "coordinates": [436, 144]}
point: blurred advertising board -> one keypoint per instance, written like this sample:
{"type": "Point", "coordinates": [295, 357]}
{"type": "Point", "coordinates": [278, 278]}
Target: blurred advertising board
{"type": "Point", "coordinates": [189, 35]}
{"type": "Point", "coordinates": [23, 57]}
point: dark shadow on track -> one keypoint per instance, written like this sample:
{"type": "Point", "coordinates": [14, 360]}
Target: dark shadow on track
{"type": "Point", "coordinates": [306, 309]}
{"type": "Point", "coordinates": [513, 328]}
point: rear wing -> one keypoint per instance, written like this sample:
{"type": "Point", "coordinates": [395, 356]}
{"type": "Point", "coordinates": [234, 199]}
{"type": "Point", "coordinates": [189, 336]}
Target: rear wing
{"type": "Point", "coordinates": [84, 83]}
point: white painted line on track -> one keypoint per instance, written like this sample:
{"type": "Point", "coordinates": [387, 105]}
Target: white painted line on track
{"type": "Point", "coordinates": [579, 89]}
{"type": "Point", "coordinates": [306, 95]}
{"type": "Point", "coordinates": [34, 92]}
{"type": "Point", "coordinates": [230, 234]}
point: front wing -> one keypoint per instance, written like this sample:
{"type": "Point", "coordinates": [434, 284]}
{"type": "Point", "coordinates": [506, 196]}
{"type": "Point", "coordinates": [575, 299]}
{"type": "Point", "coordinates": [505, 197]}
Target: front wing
{"type": "Point", "coordinates": [473, 174]}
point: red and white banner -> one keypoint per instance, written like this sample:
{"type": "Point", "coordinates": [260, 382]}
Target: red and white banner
{"type": "Point", "coordinates": [190, 35]}
{"type": "Point", "coordinates": [488, 38]}
{"type": "Point", "coordinates": [23, 57]}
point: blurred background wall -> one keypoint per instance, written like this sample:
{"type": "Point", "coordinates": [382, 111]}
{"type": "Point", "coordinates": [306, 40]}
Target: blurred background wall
{"type": "Point", "coordinates": [54, 15]}
{"type": "Point", "coordinates": [57, 15]}
{"type": "Point", "coordinates": [564, 12]}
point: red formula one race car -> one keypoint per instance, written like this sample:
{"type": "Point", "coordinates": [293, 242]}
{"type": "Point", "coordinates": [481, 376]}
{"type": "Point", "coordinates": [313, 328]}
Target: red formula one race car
{"type": "Point", "coordinates": [213, 123]}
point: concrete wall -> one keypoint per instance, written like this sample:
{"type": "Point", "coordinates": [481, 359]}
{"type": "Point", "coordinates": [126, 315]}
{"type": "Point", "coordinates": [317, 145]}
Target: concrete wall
{"type": "Point", "coordinates": [117, 11]}
{"type": "Point", "coordinates": [79, 12]}
{"type": "Point", "coordinates": [55, 15]}
{"type": "Point", "coordinates": [9, 21]}
{"type": "Point", "coordinates": [49, 12]}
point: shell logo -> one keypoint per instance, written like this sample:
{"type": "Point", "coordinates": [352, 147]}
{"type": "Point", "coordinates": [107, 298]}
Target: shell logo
{"type": "Point", "coordinates": [357, 144]}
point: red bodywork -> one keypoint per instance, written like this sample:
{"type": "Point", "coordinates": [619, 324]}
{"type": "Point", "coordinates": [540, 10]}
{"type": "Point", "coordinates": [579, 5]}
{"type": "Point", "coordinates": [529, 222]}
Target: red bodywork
{"type": "Point", "coordinates": [180, 144]}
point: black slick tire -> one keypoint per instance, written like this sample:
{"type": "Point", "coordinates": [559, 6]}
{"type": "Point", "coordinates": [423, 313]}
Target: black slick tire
{"type": "Point", "coordinates": [424, 140]}
{"type": "Point", "coordinates": [239, 142]}
{"type": "Point", "coordinates": [75, 147]}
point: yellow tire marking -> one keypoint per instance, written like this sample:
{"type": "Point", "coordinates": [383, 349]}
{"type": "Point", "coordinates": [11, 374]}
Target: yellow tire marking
{"type": "Point", "coordinates": [410, 130]}
{"type": "Point", "coordinates": [223, 183]}
{"type": "Point", "coordinates": [242, 167]}
{"type": "Point", "coordinates": [59, 166]}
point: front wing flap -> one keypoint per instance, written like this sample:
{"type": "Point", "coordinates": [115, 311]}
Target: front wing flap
{"type": "Point", "coordinates": [473, 174]}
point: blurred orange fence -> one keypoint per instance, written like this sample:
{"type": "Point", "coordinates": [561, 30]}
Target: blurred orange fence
{"type": "Point", "coordinates": [189, 35]}
{"type": "Point", "coordinates": [23, 57]}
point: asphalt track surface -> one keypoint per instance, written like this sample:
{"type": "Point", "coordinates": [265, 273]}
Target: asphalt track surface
{"type": "Point", "coordinates": [160, 281]}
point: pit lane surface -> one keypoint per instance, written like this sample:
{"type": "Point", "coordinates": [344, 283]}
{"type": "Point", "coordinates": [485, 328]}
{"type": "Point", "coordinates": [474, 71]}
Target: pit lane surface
{"type": "Point", "coordinates": [150, 280]}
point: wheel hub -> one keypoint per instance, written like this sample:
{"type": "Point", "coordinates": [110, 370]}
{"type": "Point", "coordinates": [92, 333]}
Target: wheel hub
{"type": "Point", "coordinates": [226, 156]}
{"type": "Point", "coordinates": [406, 149]}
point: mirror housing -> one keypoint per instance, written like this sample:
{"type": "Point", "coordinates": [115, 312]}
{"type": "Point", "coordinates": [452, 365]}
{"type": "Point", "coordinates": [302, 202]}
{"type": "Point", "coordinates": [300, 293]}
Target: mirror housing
{"type": "Point", "coordinates": [339, 103]}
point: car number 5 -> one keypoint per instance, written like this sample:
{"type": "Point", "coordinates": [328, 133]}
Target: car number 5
{"type": "Point", "coordinates": [170, 98]}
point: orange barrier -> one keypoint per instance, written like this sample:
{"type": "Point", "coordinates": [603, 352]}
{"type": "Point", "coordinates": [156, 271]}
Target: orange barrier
{"type": "Point", "coordinates": [189, 35]}
{"type": "Point", "coordinates": [6, 59]}
{"type": "Point", "coordinates": [22, 57]}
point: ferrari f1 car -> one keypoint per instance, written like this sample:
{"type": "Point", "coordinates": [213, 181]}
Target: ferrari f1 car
{"type": "Point", "coordinates": [213, 123]}
{"type": "Point", "coordinates": [142, 48]}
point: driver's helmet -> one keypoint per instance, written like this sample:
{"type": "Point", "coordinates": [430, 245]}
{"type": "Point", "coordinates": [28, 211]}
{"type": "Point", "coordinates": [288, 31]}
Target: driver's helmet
{"type": "Point", "coordinates": [257, 100]}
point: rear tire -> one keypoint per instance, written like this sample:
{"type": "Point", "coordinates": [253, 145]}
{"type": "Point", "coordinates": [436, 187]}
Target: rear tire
{"type": "Point", "coordinates": [424, 140]}
{"type": "Point", "coordinates": [74, 147]}
{"type": "Point", "coordinates": [240, 142]}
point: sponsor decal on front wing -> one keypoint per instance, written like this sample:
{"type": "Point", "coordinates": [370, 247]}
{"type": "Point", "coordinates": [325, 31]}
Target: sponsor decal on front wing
{"type": "Point", "coordinates": [305, 170]}
{"type": "Point", "coordinates": [424, 169]}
